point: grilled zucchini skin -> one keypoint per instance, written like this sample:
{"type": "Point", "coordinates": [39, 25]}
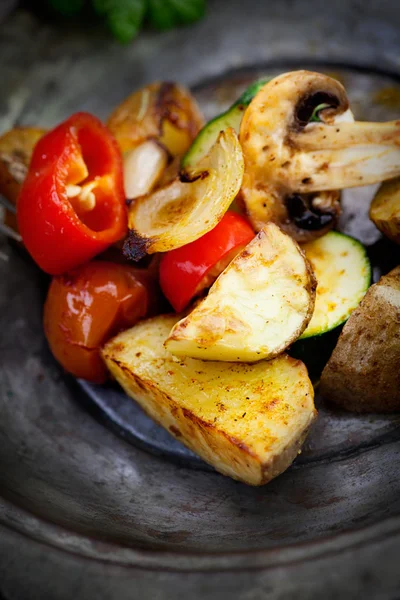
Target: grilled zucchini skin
{"type": "Point", "coordinates": [230, 118]}
{"type": "Point", "coordinates": [343, 274]}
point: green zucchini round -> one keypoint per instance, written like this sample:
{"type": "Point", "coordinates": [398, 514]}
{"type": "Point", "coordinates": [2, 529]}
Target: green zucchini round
{"type": "Point", "coordinates": [343, 273]}
{"type": "Point", "coordinates": [230, 118]}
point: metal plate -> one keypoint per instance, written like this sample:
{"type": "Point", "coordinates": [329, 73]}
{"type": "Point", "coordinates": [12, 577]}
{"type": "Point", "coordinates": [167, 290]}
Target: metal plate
{"type": "Point", "coordinates": [83, 514]}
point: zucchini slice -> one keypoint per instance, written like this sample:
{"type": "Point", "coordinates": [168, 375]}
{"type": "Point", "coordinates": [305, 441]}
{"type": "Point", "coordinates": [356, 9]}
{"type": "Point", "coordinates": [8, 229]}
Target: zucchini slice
{"type": "Point", "coordinates": [343, 273]}
{"type": "Point", "coordinates": [257, 307]}
{"type": "Point", "coordinates": [230, 118]}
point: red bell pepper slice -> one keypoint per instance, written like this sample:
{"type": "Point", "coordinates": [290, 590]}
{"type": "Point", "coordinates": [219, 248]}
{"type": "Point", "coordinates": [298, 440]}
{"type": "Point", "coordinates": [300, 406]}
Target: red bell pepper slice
{"type": "Point", "coordinates": [186, 271]}
{"type": "Point", "coordinates": [72, 203]}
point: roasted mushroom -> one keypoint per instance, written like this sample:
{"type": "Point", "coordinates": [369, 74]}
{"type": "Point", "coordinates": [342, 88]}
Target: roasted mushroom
{"type": "Point", "coordinates": [300, 145]}
{"type": "Point", "coordinates": [151, 126]}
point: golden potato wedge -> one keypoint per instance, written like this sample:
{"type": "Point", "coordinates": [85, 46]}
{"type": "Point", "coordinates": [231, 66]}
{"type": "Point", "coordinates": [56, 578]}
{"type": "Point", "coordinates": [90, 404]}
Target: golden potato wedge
{"type": "Point", "coordinates": [258, 306]}
{"type": "Point", "coordinates": [248, 421]}
{"type": "Point", "coordinates": [16, 147]}
{"type": "Point", "coordinates": [183, 211]}
{"type": "Point", "coordinates": [163, 111]}
{"type": "Point", "coordinates": [385, 209]}
{"type": "Point", "coordinates": [363, 373]}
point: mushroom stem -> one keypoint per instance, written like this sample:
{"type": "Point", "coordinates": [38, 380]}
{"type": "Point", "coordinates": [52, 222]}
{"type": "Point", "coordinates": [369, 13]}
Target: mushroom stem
{"type": "Point", "coordinates": [346, 155]}
{"type": "Point", "coordinates": [320, 136]}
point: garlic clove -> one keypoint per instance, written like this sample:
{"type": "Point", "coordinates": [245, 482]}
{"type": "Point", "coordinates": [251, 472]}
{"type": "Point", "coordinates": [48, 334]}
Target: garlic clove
{"type": "Point", "coordinates": [143, 167]}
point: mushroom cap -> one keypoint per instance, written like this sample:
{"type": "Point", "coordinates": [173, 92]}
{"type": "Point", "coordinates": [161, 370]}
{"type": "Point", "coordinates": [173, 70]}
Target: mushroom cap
{"type": "Point", "coordinates": [273, 176]}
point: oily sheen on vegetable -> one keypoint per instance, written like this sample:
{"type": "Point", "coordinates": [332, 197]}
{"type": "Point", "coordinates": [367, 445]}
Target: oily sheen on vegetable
{"type": "Point", "coordinates": [190, 206]}
{"type": "Point", "coordinates": [87, 306]}
{"type": "Point", "coordinates": [151, 126]}
{"type": "Point", "coordinates": [295, 163]}
{"type": "Point", "coordinates": [72, 206]}
{"type": "Point", "coordinates": [246, 420]}
{"type": "Point", "coordinates": [258, 306]}
{"type": "Point", "coordinates": [189, 270]}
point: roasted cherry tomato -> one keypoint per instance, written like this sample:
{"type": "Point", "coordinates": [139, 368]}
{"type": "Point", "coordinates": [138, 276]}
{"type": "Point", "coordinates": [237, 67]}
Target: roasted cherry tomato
{"type": "Point", "coordinates": [87, 306]}
{"type": "Point", "coordinates": [187, 271]}
{"type": "Point", "coordinates": [72, 203]}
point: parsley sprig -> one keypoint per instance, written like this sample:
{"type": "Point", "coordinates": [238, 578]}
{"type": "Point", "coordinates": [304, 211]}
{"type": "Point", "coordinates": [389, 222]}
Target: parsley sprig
{"type": "Point", "coordinates": [125, 18]}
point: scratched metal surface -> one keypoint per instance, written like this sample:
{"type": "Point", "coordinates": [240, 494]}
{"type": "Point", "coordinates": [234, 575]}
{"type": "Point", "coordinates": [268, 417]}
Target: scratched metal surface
{"type": "Point", "coordinates": [83, 513]}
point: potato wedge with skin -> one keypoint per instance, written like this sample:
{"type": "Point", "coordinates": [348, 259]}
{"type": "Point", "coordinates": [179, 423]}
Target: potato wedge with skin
{"type": "Point", "coordinates": [164, 111]}
{"type": "Point", "coordinates": [385, 209]}
{"type": "Point", "coordinates": [248, 421]}
{"type": "Point", "coordinates": [258, 306]}
{"type": "Point", "coordinates": [16, 147]}
{"type": "Point", "coordinates": [183, 211]}
{"type": "Point", "coordinates": [363, 373]}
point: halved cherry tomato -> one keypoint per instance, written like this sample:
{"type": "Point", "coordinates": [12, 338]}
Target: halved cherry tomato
{"type": "Point", "coordinates": [87, 306]}
{"type": "Point", "coordinates": [187, 271]}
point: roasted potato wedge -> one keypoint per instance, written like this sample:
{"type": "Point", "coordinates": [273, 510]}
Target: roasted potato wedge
{"type": "Point", "coordinates": [183, 211]}
{"type": "Point", "coordinates": [258, 306]}
{"type": "Point", "coordinates": [385, 209]}
{"type": "Point", "coordinates": [16, 147]}
{"type": "Point", "coordinates": [163, 111]}
{"type": "Point", "coordinates": [248, 421]}
{"type": "Point", "coordinates": [363, 372]}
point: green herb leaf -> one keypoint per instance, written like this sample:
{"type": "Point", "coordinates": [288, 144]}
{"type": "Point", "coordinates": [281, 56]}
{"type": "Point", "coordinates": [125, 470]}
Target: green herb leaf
{"type": "Point", "coordinates": [67, 8]}
{"type": "Point", "coordinates": [165, 14]}
{"type": "Point", "coordinates": [123, 17]}
{"type": "Point", "coordinates": [189, 11]}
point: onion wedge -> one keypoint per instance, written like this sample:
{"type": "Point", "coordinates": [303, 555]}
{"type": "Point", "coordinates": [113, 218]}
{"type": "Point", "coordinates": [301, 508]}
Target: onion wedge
{"type": "Point", "coordinates": [191, 205]}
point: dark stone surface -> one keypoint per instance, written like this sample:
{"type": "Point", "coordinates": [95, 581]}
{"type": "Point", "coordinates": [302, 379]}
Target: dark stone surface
{"type": "Point", "coordinates": [83, 514]}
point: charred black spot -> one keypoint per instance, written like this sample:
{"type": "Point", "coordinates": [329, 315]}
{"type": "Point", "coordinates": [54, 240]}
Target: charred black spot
{"type": "Point", "coordinates": [175, 431]}
{"type": "Point", "coordinates": [170, 106]}
{"type": "Point", "coordinates": [135, 247]}
{"type": "Point", "coordinates": [307, 105]}
{"type": "Point", "coordinates": [306, 216]}
{"type": "Point", "coordinates": [164, 97]}
{"type": "Point", "coordinates": [186, 177]}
